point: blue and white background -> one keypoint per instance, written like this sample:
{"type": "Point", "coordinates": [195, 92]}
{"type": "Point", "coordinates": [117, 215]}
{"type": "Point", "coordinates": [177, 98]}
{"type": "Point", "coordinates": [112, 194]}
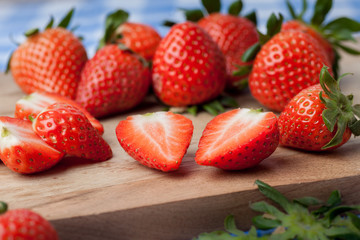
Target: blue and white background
{"type": "Point", "coordinates": [18, 16]}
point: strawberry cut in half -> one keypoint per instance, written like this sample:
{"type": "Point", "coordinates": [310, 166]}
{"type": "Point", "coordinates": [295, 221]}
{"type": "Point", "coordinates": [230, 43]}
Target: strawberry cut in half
{"type": "Point", "coordinates": [238, 139]}
{"type": "Point", "coordinates": [22, 150]}
{"type": "Point", "coordinates": [158, 140]}
{"type": "Point", "coordinates": [31, 105]}
{"type": "Point", "coordinates": [67, 129]}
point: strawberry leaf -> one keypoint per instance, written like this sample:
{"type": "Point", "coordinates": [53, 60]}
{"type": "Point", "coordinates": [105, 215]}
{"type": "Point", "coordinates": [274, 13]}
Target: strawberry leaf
{"type": "Point", "coordinates": [242, 71]}
{"type": "Point", "coordinates": [341, 233]}
{"type": "Point", "coordinates": [51, 23]}
{"type": "Point", "coordinates": [3, 207]}
{"type": "Point", "coordinates": [322, 8]}
{"type": "Point", "coordinates": [355, 220]}
{"type": "Point", "coordinates": [356, 110]}
{"type": "Point", "coordinates": [251, 53]}
{"type": "Point", "coordinates": [212, 6]}
{"type": "Point", "coordinates": [168, 23]}
{"type": "Point", "coordinates": [343, 23]}
{"type": "Point", "coordinates": [192, 110]}
{"type": "Point", "coordinates": [228, 101]}
{"type": "Point", "coordinates": [336, 211]}
{"type": "Point", "coordinates": [230, 226]}
{"type": "Point", "coordinates": [307, 201]}
{"type": "Point", "coordinates": [347, 49]}
{"type": "Point", "coordinates": [235, 8]}
{"type": "Point", "coordinates": [31, 32]}
{"type": "Point", "coordinates": [267, 208]}
{"type": "Point", "coordinates": [252, 17]}
{"type": "Point", "coordinates": [265, 223]}
{"type": "Point", "coordinates": [355, 127]}
{"type": "Point", "coordinates": [7, 70]}
{"type": "Point", "coordinates": [193, 15]}
{"type": "Point", "coordinates": [329, 117]}
{"type": "Point", "coordinates": [274, 23]}
{"type": "Point", "coordinates": [291, 9]}
{"type": "Point", "coordinates": [337, 139]}
{"type": "Point", "coordinates": [64, 23]}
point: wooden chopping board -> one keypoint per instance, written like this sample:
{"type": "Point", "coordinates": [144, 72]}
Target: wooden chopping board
{"type": "Point", "coordinates": [120, 199]}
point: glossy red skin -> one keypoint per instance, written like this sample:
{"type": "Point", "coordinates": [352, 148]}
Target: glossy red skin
{"type": "Point", "coordinates": [113, 81]}
{"type": "Point", "coordinates": [245, 155]}
{"type": "Point", "coordinates": [50, 61]}
{"type": "Point", "coordinates": [25, 111]}
{"type": "Point", "coordinates": [298, 25]}
{"type": "Point", "coordinates": [67, 129]}
{"type": "Point", "coordinates": [188, 67]}
{"type": "Point", "coordinates": [141, 38]}
{"type": "Point", "coordinates": [301, 125]}
{"type": "Point", "coordinates": [234, 35]}
{"type": "Point", "coordinates": [288, 63]}
{"type": "Point", "coordinates": [27, 225]}
{"type": "Point", "coordinates": [28, 157]}
{"type": "Point", "coordinates": [176, 140]}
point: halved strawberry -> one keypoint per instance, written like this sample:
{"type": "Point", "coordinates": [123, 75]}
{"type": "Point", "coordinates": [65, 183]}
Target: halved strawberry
{"type": "Point", "coordinates": [22, 150]}
{"type": "Point", "coordinates": [31, 105]}
{"type": "Point", "coordinates": [157, 140]}
{"type": "Point", "coordinates": [67, 129]}
{"type": "Point", "coordinates": [238, 139]}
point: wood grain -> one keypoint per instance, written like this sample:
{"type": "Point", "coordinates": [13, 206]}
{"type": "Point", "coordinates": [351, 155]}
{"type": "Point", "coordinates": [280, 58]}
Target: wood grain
{"type": "Point", "coordinates": [120, 199]}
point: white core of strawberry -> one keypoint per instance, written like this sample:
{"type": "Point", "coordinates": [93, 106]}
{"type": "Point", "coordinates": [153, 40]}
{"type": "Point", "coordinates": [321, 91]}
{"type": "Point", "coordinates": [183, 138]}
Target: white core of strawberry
{"type": "Point", "coordinates": [35, 101]}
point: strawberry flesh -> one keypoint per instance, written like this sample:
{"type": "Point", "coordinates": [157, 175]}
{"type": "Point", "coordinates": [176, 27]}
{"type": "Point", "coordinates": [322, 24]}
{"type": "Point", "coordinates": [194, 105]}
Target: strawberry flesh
{"type": "Point", "coordinates": [22, 150]}
{"type": "Point", "coordinates": [238, 139]}
{"type": "Point", "coordinates": [158, 140]}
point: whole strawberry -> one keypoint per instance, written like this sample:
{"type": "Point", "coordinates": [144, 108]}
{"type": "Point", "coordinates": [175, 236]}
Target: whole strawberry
{"type": "Point", "coordinates": [22, 150]}
{"type": "Point", "coordinates": [289, 62]}
{"type": "Point", "coordinates": [188, 67]}
{"type": "Point", "coordinates": [31, 105]}
{"type": "Point", "coordinates": [140, 38]}
{"type": "Point", "coordinates": [24, 224]}
{"type": "Point", "coordinates": [67, 129]}
{"type": "Point", "coordinates": [331, 34]}
{"type": "Point", "coordinates": [319, 117]}
{"type": "Point", "coordinates": [49, 61]}
{"type": "Point", "coordinates": [116, 79]}
{"type": "Point", "coordinates": [157, 140]}
{"type": "Point", "coordinates": [238, 139]}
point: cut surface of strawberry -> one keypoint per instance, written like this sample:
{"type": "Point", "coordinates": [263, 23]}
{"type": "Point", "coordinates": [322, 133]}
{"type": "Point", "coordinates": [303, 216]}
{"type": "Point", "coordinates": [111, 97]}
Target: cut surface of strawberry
{"type": "Point", "coordinates": [157, 140]}
{"type": "Point", "coordinates": [31, 105]}
{"type": "Point", "coordinates": [22, 150]}
{"type": "Point", "coordinates": [66, 128]}
{"type": "Point", "coordinates": [238, 139]}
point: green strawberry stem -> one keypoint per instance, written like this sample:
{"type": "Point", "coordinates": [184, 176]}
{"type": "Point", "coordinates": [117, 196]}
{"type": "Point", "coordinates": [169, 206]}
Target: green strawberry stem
{"type": "Point", "coordinates": [3, 207]}
{"type": "Point", "coordinates": [339, 111]}
{"type": "Point", "coordinates": [4, 132]}
{"type": "Point", "coordinates": [113, 21]}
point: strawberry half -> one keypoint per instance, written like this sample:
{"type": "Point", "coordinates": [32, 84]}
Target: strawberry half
{"type": "Point", "coordinates": [238, 139]}
{"type": "Point", "coordinates": [24, 224]}
{"type": "Point", "coordinates": [158, 140]}
{"type": "Point", "coordinates": [31, 105]}
{"type": "Point", "coordinates": [67, 129]}
{"type": "Point", "coordinates": [22, 150]}
{"type": "Point", "coordinates": [319, 117]}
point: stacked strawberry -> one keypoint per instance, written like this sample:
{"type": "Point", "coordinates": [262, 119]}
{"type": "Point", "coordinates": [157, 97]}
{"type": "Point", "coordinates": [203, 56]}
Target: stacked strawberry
{"type": "Point", "coordinates": [116, 79]}
{"type": "Point", "coordinates": [58, 127]}
{"type": "Point", "coordinates": [49, 61]}
{"type": "Point", "coordinates": [234, 34]}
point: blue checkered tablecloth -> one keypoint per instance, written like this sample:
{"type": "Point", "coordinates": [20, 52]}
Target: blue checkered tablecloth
{"type": "Point", "coordinates": [17, 16]}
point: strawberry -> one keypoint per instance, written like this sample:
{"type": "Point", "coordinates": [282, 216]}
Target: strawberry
{"type": "Point", "coordinates": [238, 139]}
{"type": "Point", "coordinates": [157, 140]}
{"type": "Point", "coordinates": [234, 35]}
{"type": "Point", "coordinates": [31, 105]}
{"type": "Point", "coordinates": [320, 117]}
{"type": "Point", "coordinates": [67, 129]}
{"type": "Point", "coordinates": [330, 34]}
{"type": "Point", "coordinates": [113, 81]}
{"type": "Point", "coordinates": [22, 150]}
{"type": "Point", "coordinates": [49, 61]}
{"type": "Point", "coordinates": [188, 67]}
{"type": "Point", "coordinates": [289, 62]}
{"type": "Point", "coordinates": [24, 224]}
{"type": "Point", "coordinates": [140, 38]}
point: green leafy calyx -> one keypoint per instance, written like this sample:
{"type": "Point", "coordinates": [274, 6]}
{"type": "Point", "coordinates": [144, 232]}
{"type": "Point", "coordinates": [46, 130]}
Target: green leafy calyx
{"type": "Point", "coordinates": [3, 207]}
{"type": "Point", "coordinates": [339, 110]}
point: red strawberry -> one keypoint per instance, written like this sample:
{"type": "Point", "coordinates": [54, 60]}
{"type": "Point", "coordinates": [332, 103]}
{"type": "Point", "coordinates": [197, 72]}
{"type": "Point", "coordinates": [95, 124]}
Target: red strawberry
{"type": "Point", "coordinates": [300, 26]}
{"type": "Point", "coordinates": [188, 67]}
{"type": "Point", "coordinates": [140, 38]}
{"type": "Point", "coordinates": [67, 129]}
{"type": "Point", "coordinates": [22, 150]}
{"type": "Point", "coordinates": [49, 61]}
{"type": "Point", "coordinates": [31, 105]}
{"type": "Point", "coordinates": [158, 140]}
{"type": "Point", "coordinates": [238, 139]}
{"type": "Point", "coordinates": [330, 34]}
{"type": "Point", "coordinates": [289, 62]}
{"type": "Point", "coordinates": [319, 117]}
{"type": "Point", "coordinates": [113, 81]}
{"type": "Point", "coordinates": [24, 224]}
{"type": "Point", "coordinates": [234, 35]}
